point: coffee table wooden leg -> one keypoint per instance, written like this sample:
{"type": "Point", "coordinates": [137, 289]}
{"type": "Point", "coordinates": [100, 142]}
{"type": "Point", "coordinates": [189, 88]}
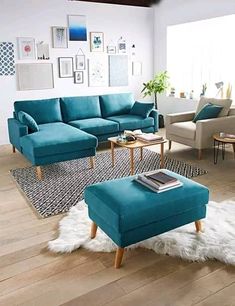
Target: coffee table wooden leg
{"type": "Point", "coordinates": [132, 161]}
{"type": "Point", "coordinates": [162, 155]}
{"type": "Point", "coordinates": [118, 257]}
{"type": "Point", "coordinates": [141, 153]}
{"type": "Point", "coordinates": [112, 153]}
{"type": "Point", "coordinates": [198, 226]}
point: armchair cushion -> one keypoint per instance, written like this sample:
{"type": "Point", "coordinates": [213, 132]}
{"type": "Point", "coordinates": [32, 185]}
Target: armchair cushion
{"type": "Point", "coordinates": [185, 129]}
{"type": "Point", "coordinates": [142, 109]}
{"type": "Point", "coordinates": [208, 111]}
{"type": "Point", "coordinates": [225, 103]}
{"type": "Point", "coordinates": [28, 120]}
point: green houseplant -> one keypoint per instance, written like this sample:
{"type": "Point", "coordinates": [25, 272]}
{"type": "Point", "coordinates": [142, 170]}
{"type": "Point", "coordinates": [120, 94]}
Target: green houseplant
{"type": "Point", "coordinates": [157, 85]}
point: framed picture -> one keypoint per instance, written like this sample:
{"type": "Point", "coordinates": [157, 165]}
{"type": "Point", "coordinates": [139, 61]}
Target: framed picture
{"type": "Point", "coordinates": [65, 67]}
{"type": "Point", "coordinates": [118, 70]}
{"type": "Point", "coordinates": [26, 48]}
{"type": "Point", "coordinates": [111, 49]}
{"type": "Point", "coordinates": [97, 42]}
{"type": "Point", "coordinates": [136, 68]}
{"type": "Point", "coordinates": [121, 45]}
{"type": "Point", "coordinates": [80, 62]}
{"type": "Point", "coordinates": [77, 28]}
{"type": "Point", "coordinates": [59, 37]}
{"type": "Point", "coordinates": [78, 77]}
{"type": "Point", "coordinates": [43, 51]}
{"type": "Point", "coordinates": [97, 71]}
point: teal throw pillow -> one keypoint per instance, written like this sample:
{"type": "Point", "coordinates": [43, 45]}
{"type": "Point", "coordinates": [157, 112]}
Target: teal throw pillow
{"type": "Point", "coordinates": [29, 121]}
{"type": "Point", "coordinates": [208, 111]}
{"type": "Point", "coordinates": [142, 109]}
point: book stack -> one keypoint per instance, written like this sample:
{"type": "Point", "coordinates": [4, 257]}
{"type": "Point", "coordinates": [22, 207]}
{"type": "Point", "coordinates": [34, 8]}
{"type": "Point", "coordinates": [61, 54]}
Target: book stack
{"type": "Point", "coordinates": [158, 181]}
{"type": "Point", "coordinates": [149, 137]}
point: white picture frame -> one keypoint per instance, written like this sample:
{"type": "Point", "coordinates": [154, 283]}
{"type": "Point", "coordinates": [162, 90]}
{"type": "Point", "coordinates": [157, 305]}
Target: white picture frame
{"type": "Point", "coordinates": [78, 77]}
{"type": "Point", "coordinates": [59, 37]}
{"type": "Point", "coordinates": [65, 67]}
{"type": "Point", "coordinates": [111, 49]}
{"type": "Point", "coordinates": [26, 48]}
{"type": "Point", "coordinates": [80, 62]}
{"type": "Point", "coordinates": [43, 51]}
{"type": "Point", "coordinates": [98, 71]}
{"type": "Point", "coordinates": [96, 41]}
{"type": "Point", "coordinates": [136, 68]}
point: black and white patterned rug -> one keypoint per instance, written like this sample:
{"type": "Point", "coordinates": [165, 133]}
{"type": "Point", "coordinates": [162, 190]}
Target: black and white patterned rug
{"type": "Point", "coordinates": [63, 183]}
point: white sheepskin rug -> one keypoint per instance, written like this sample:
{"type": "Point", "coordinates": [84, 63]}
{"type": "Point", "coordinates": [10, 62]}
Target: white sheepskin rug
{"type": "Point", "coordinates": [216, 242]}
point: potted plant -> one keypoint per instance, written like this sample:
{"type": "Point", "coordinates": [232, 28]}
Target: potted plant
{"type": "Point", "coordinates": [157, 85]}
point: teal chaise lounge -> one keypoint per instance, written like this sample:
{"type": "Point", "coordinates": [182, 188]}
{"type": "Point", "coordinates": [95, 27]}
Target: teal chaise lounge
{"type": "Point", "coordinates": [59, 129]}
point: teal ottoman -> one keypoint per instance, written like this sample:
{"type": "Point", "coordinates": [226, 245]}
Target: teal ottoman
{"type": "Point", "coordinates": [129, 212]}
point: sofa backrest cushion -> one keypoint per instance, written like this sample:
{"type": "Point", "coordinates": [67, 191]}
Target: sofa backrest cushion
{"type": "Point", "coordinates": [116, 104]}
{"type": "Point", "coordinates": [42, 111]}
{"type": "Point", "coordinates": [226, 103]}
{"type": "Point", "coordinates": [76, 108]}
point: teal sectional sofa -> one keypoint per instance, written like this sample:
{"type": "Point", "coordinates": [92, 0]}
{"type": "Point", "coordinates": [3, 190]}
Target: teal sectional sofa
{"type": "Point", "coordinates": [67, 128]}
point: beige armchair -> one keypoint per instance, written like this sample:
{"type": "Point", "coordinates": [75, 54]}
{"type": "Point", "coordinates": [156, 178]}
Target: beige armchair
{"type": "Point", "coordinates": [199, 135]}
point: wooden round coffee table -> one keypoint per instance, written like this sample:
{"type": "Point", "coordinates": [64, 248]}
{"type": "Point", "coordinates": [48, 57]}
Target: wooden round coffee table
{"type": "Point", "coordinates": [218, 140]}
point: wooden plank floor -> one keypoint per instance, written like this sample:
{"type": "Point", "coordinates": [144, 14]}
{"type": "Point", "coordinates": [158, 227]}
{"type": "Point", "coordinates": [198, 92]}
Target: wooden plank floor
{"type": "Point", "coordinates": [31, 275]}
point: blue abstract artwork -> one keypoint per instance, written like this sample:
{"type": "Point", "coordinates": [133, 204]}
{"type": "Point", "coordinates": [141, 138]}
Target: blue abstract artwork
{"type": "Point", "coordinates": [77, 28]}
{"type": "Point", "coordinates": [7, 59]}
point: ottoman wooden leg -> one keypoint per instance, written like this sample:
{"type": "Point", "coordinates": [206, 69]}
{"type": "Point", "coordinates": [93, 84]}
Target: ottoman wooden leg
{"type": "Point", "coordinates": [93, 230]}
{"type": "Point", "coordinates": [198, 226]}
{"type": "Point", "coordinates": [118, 257]}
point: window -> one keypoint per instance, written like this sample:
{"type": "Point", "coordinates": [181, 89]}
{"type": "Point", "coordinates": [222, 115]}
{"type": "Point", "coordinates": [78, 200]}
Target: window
{"type": "Point", "coordinates": [202, 52]}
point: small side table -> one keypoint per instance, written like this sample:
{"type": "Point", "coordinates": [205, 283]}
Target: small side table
{"type": "Point", "coordinates": [221, 141]}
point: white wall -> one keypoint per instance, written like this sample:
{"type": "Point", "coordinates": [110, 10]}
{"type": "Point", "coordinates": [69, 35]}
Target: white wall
{"type": "Point", "coordinates": [170, 12]}
{"type": "Point", "coordinates": [33, 18]}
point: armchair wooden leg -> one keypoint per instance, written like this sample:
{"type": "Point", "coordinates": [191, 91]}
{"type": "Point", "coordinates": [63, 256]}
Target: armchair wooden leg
{"type": "Point", "coordinates": [198, 226]}
{"type": "Point", "coordinates": [93, 230]}
{"type": "Point", "coordinates": [13, 149]}
{"type": "Point", "coordinates": [118, 257]}
{"type": "Point", "coordinates": [200, 154]}
{"type": "Point", "coordinates": [39, 172]}
{"type": "Point", "coordinates": [92, 162]}
{"type": "Point", "coordinates": [169, 144]}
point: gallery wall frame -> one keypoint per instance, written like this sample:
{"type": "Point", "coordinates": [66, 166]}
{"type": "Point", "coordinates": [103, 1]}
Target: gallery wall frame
{"type": "Point", "coordinates": [7, 59]}
{"type": "Point", "coordinates": [96, 41]}
{"type": "Point", "coordinates": [80, 62]}
{"type": "Point", "coordinates": [59, 37]}
{"type": "Point", "coordinates": [35, 76]}
{"type": "Point", "coordinates": [98, 71]}
{"type": "Point", "coordinates": [43, 51]}
{"type": "Point", "coordinates": [77, 27]}
{"type": "Point", "coordinates": [118, 70]}
{"type": "Point", "coordinates": [78, 77]}
{"type": "Point", "coordinates": [26, 48]}
{"type": "Point", "coordinates": [111, 49]}
{"type": "Point", "coordinates": [136, 68]}
{"type": "Point", "coordinates": [65, 67]}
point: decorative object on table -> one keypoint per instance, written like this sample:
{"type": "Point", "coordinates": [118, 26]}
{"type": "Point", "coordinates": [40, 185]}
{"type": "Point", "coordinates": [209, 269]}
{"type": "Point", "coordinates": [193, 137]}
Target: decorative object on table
{"type": "Point", "coordinates": [191, 95]}
{"type": "Point", "coordinates": [149, 137]}
{"type": "Point", "coordinates": [204, 88]}
{"type": "Point", "coordinates": [42, 51]}
{"type": "Point", "coordinates": [7, 58]}
{"type": "Point", "coordinates": [65, 67]}
{"type": "Point", "coordinates": [97, 71]}
{"type": "Point", "coordinates": [96, 41]}
{"type": "Point", "coordinates": [172, 92]}
{"type": "Point", "coordinates": [71, 177]}
{"type": "Point", "coordinates": [136, 68]}
{"type": "Point", "coordinates": [77, 28]}
{"type": "Point", "coordinates": [229, 91]}
{"type": "Point", "coordinates": [157, 85]}
{"type": "Point", "coordinates": [78, 77]}
{"type": "Point", "coordinates": [214, 243]}
{"type": "Point", "coordinates": [111, 49]}
{"type": "Point", "coordinates": [121, 45]}
{"type": "Point", "coordinates": [35, 76]}
{"type": "Point", "coordinates": [118, 70]}
{"type": "Point", "coordinates": [182, 95]}
{"type": "Point", "coordinates": [26, 48]}
{"type": "Point", "coordinates": [222, 139]}
{"type": "Point", "coordinates": [59, 37]}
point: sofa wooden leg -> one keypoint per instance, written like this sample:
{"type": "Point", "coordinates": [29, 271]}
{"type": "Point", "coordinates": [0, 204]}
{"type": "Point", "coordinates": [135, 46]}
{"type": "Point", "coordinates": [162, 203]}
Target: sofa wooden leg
{"type": "Point", "coordinates": [198, 226]}
{"type": "Point", "coordinates": [118, 257]}
{"type": "Point", "coordinates": [92, 162]}
{"type": "Point", "coordinates": [169, 144]}
{"type": "Point", "coordinates": [39, 172]}
{"type": "Point", "coordinates": [200, 154]}
{"type": "Point", "coordinates": [93, 230]}
{"type": "Point", "coordinates": [13, 149]}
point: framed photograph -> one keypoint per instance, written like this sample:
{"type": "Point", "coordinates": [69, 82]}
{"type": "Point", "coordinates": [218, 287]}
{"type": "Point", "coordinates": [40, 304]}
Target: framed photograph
{"type": "Point", "coordinates": [111, 49]}
{"type": "Point", "coordinates": [43, 51]}
{"type": "Point", "coordinates": [77, 28]}
{"type": "Point", "coordinates": [78, 77]}
{"type": "Point", "coordinates": [65, 67]}
{"type": "Point", "coordinates": [80, 62]}
{"type": "Point", "coordinates": [121, 46]}
{"type": "Point", "coordinates": [97, 41]}
{"type": "Point", "coordinates": [26, 48]}
{"type": "Point", "coordinates": [59, 37]}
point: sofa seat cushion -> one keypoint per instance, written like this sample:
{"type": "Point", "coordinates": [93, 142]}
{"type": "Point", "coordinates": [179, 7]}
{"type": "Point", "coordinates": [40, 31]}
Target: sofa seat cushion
{"type": "Point", "coordinates": [96, 126]}
{"type": "Point", "coordinates": [132, 122]}
{"type": "Point", "coordinates": [56, 138]}
{"type": "Point", "coordinates": [185, 129]}
{"type": "Point", "coordinates": [126, 205]}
